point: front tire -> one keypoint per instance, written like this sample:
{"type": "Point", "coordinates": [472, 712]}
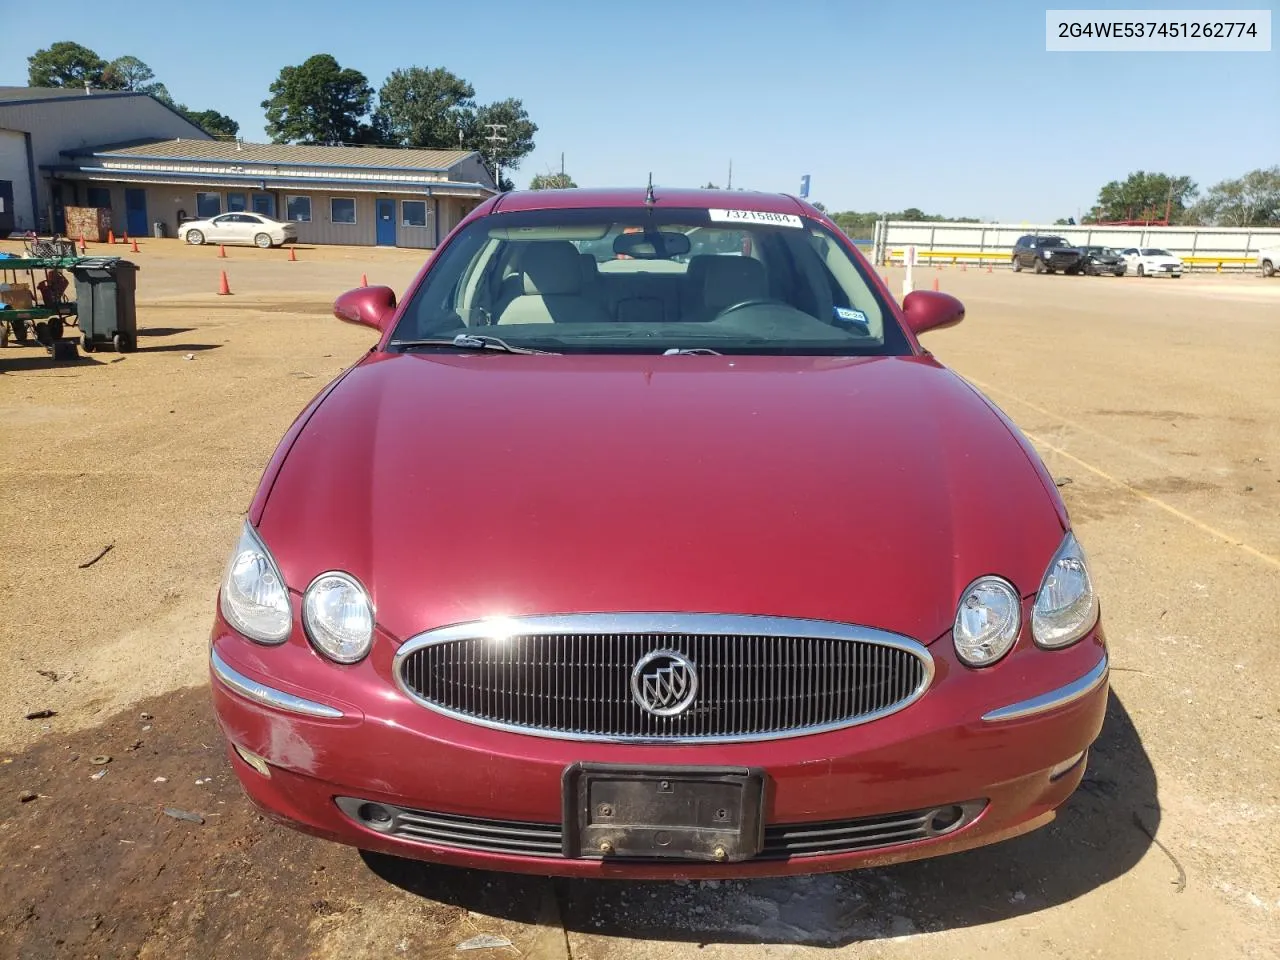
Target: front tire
{"type": "Point", "coordinates": [195, 238]}
{"type": "Point", "coordinates": [263, 241]}
{"type": "Point", "coordinates": [1141, 272]}
{"type": "Point", "coordinates": [1039, 266]}
{"type": "Point", "coordinates": [1268, 268]}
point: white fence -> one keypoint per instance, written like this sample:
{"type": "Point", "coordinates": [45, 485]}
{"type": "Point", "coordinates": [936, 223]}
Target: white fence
{"type": "Point", "coordinates": [1203, 248]}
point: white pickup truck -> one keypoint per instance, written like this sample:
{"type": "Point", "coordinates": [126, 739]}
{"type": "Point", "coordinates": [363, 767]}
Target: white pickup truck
{"type": "Point", "coordinates": [1269, 261]}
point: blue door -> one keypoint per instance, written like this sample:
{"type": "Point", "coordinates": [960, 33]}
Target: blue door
{"type": "Point", "coordinates": [265, 204]}
{"type": "Point", "coordinates": [386, 223]}
{"type": "Point", "coordinates": [135, 211]}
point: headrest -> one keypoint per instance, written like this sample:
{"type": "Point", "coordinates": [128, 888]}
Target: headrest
{"type": "Point", "coordinates": [731, 280]}
{"type": "Point", "coordinates": [590, 270]}
{"type": "Point", "coordinates": [551, 267]}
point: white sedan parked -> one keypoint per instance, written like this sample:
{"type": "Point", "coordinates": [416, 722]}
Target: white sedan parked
{"type": "Point", "coordinates": [255, 228]}
{"type": "Point", "coordinates": [1151, 262]}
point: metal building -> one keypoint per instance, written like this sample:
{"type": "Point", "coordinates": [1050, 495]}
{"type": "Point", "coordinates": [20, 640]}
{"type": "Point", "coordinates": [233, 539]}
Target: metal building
{"type": "Point", "coordinates": [38, 124]}
{"type": "Point", "coordinates": [349, 195]}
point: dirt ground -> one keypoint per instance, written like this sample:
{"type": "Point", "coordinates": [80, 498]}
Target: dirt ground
{"type": "Point", "coordinates": [1154, 402]}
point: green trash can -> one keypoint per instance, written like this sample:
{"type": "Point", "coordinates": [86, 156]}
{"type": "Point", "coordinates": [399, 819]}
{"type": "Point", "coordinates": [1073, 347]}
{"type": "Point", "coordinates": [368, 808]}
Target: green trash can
{"type": "Point", "coordinates": [106, 288]}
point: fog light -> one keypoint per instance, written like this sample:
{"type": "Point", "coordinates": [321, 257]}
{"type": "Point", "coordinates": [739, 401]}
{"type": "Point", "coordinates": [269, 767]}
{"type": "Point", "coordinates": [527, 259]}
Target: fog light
{"type": "Point", "coordinates": [1065, 766]}
{"type": "Point", "coordinates": [253, 760]}
{"type": "Point", "coordinates": [945, 818]}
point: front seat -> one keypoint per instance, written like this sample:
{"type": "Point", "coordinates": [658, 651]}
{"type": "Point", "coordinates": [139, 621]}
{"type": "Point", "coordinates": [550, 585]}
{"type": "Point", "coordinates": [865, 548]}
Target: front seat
{"type": "Point", "coordinates": [552, 288]}
{"type": "Point", "coordinates": [728, 280]}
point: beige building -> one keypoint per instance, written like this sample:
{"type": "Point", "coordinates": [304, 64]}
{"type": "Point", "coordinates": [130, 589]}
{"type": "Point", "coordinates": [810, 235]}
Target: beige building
{"type": "Point", "coordinates": [350, 195]}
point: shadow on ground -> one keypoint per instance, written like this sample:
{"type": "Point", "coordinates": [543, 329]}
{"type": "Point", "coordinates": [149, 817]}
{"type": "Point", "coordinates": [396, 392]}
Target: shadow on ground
{"type": "Point", "coordinates": [1094, 840]}
{"type": "Point", "coordinates": [179, 348]}
{"type": "Point", "coordinates": [13, 362]}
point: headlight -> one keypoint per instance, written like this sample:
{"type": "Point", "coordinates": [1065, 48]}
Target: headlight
{"type": "Point", "coordinates": [1066, 606]}
{"type": "Point", "coordinates": [253, 597]}
{"type": "Point", "coordinates": [987, 621]}
{"type": "Point", "coordinates": [339, 617]}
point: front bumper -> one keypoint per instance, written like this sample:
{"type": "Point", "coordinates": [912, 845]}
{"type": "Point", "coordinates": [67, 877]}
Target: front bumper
{"type": "Point", "coordinates": [992, 742]}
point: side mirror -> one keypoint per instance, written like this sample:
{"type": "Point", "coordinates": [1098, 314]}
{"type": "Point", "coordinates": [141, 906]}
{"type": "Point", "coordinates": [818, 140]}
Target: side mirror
{"type": "Point", "coordinates": [369, 306]}
{"type": "Point", "coordinates": [931, 310]}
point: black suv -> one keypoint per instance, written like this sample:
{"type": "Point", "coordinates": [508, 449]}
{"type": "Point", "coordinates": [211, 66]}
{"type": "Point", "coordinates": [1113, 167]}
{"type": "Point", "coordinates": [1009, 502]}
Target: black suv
{"type": "Point", "coordinates": [1045, 255]}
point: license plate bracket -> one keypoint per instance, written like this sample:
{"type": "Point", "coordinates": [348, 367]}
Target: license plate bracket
{"type": "Point", "coordinates": [618, 811]}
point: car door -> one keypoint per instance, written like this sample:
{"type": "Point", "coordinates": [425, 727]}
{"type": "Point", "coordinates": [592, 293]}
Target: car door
{"type": "Point", "coordinates": [1131, 259]}
{"type": "Point", "coordinates": [221, 229]}
{"type": "Point", "coordinates": [251, 226]}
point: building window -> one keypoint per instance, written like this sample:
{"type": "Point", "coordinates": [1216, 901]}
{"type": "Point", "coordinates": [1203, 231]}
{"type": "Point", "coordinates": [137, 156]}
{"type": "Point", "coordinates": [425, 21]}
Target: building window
{"type": "Point", "coordinates": [208, 205]}
{"type": "Point", "coordinates": [414, 213]}
{"type": "Point", "coordinates": [235, 202]}
{"type": "Point", "coordinates": [298, 209]}
{"type": "Point", "coordinates": [98, 197]}
{"type": "Point", "coordinates": [342, 209]}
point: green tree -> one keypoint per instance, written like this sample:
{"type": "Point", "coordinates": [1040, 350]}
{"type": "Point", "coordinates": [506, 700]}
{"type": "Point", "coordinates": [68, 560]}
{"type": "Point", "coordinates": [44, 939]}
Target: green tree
{"type": "Point", "coordinates": [551, 181]}
{"type": "Point", "coordinates": [1252, 200]}
{"type": "Point", "coordinates": [1144, 196]}
{"type": "Point", "coordinates": [65, 64]}
{"type": "Point", "coordinates": [317, 102]}
{"type": "Point", "coordinates": [128, 73]}
{"type": "Point", "coordinates": [421, 107]}
{"type": "Point", "coordinates": [210, 121]}
{"type": "Point", "coordinates": [513, 124]}
{"type": "Point", "coordinates": [819, 206]}
{"type": "Point", "coordinates": [709, 186]}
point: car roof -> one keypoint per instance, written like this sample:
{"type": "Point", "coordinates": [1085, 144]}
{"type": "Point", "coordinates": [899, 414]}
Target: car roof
{"type": "Point", "coordinates": [578, 198]}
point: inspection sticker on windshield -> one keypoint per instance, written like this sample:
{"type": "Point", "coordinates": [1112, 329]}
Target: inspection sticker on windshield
{"type": "Point", "coordinates": [755, 216]}
{"type": "Point", "coordinates": [852, 316]}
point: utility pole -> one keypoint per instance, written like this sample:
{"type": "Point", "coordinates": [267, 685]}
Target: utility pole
{"type": "Point", "coordinates": [729, 185]}
{"type": "Point", "coordinates": [495, 137]}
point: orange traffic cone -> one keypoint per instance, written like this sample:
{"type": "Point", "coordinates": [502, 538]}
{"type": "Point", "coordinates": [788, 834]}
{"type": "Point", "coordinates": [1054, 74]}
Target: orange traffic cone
{"type": "Point", "coordinates": [135, 245]}
{"type": "Point", "coordinates": [964, 268]}
{"type": "Point", "coordinates": [364, 279]}
{"type": "Point", "coordinates": [935, 283]}
{"type": "Point", "coordinates": [111, 236]}
{"type": "Point", "coordinates": [988, 268]}
{"type": "Point", "coordinates": [293, 255]}
{"type": "Point", "coordinates": [222, 251]}
{"type": "Point", "coordinates": [82, 246]}
{"type": "Point", "coordinates": [224, 288]}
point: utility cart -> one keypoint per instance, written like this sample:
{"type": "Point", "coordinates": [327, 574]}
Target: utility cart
{"type": "Point", "coordinates": [33, 299]}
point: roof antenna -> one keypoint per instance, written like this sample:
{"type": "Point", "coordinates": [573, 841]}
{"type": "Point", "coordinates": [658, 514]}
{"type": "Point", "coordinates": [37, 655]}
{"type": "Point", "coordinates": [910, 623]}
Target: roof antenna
{"type": "Point", "coordinates": [649, 198]}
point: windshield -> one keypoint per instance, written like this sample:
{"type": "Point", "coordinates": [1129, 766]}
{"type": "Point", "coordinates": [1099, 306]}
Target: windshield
{"type": "Point", "coordinates": [1153, 252]}
{"type": "Point", "coordinates": [1052, 242]}
{"type": "Point", "coordinates": [635, 280]}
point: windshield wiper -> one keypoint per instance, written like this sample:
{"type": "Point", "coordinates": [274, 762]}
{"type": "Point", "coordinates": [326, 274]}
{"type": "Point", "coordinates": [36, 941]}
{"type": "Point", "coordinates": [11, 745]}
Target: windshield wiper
{"type": "Point", "coordinates": [469, 341]}
{"type": "Point", "coordinates": [703, 351]}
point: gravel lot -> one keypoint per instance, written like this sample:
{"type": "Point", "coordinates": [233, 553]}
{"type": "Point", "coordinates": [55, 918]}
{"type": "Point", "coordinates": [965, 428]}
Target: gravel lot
{"type": "Point", "coordinates": [1154, 402]}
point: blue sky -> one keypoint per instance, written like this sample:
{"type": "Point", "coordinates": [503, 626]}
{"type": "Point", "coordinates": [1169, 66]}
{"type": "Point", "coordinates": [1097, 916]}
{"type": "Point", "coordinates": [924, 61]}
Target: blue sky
{"type": "Point", "coordinates": [952, 107]}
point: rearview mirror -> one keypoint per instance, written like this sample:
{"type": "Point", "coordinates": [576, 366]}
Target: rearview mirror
{"type": "Point", "coordinates": [368, 306]}
{"type": "Point", "coordinates": [931, 310]}
{"type": "Point", "coordinates": [652, 246]}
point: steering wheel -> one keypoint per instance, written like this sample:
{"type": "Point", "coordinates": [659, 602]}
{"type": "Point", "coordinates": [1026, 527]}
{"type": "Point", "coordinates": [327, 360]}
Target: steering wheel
{"type": "Point", "coordinates": [753, 302]}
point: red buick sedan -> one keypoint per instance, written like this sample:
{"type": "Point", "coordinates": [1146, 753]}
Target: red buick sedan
{"type": "Point", "coordinates": [649, 542]}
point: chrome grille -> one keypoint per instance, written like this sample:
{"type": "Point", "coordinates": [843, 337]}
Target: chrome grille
{"type": "Point", "coordinates": [781, 841]}
{"type": "Point", "coordinates": [570, 676]}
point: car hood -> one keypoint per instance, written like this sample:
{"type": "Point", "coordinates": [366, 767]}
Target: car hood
{"type": "Point", "coordinates": [457, 487]}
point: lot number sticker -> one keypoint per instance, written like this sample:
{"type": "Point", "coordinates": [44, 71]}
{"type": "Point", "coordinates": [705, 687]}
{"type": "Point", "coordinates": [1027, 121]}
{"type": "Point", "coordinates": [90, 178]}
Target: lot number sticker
{"type": "Point", "coordinates": [755, 216]}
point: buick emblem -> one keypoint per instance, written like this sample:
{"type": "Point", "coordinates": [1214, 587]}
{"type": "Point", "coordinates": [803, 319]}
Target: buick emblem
{"type": "Point", "coordinates": [664, 683]}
